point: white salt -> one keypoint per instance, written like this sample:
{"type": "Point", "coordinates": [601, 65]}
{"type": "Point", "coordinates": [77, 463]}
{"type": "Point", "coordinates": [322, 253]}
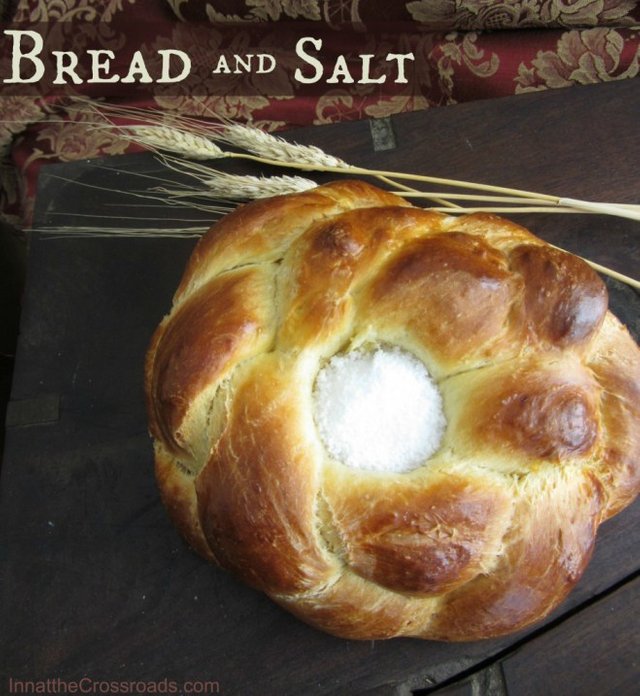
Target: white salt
{"type": "Point", "coordinates": [378, 410]}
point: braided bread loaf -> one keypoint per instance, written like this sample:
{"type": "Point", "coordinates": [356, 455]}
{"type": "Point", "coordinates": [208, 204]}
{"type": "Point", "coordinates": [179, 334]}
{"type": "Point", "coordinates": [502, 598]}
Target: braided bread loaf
{"type": "Point", "coordinates": [540, 386]}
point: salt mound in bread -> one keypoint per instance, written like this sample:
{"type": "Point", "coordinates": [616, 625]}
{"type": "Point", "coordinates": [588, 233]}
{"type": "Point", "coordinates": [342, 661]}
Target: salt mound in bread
{"type": "Point", "coordinates": [540, 387]}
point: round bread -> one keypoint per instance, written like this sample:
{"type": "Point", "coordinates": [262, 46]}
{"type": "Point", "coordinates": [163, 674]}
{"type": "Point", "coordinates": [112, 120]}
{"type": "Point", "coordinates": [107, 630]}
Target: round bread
{"type": "Point", "coordinates": [540, 387]}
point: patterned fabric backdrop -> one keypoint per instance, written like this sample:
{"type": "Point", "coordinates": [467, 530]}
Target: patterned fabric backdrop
{"type": "Point", "coordinates": [465, 50]}
{"type": "Point", "coordinates": [464, 15]}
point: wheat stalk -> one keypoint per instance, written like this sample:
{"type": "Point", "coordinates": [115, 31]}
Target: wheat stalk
{"type": "Point", "coordinates": [64, 232]}
{"type": "Point", "coordinates": [263, 144]}
{"type": "Point", "coordinates": [618, 210]}
{"type": "Point", "coordinates": [174, 140]}
{"type": "Point", "coordinates": [215, 183]}
{"type": "Point", "coordinates": [513, 209]}
{"type": "Point", "coordinates": [196, 139]}
{"type": "Point", "coordinates": [221, 185]}
{"type": "Point", "coordinates": [265, 148]}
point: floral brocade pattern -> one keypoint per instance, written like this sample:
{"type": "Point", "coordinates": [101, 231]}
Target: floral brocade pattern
{"type": "Point", "coordinates": [483, 14]}
{"type": "Point", "coordinates": [465, 15]}
{"type": "Point", "coordinates": [587, 57]}
{"type": "Point", "coordinates": [455, 61]}
{"type": "Point", "coordinates": [68, 10]}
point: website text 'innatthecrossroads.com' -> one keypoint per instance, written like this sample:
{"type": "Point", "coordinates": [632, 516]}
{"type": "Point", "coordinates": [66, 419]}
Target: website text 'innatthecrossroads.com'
{"type": "Point", "coordinates": [132, 687]}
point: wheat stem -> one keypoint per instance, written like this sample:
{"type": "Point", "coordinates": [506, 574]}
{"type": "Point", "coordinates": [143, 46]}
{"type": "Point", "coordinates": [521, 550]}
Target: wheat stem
{"type": "Point", "coordinates": [268, 149]}
{"type": "Point", "coordinates": [195, 141]}
{"type": "Point", "coordinates": [473, 197]}
{"type": "Point", "coordinates": [63, 232]}
{"type": "Point", "coordinates": [193, 138]}
{"type": "Point", "coordinates": [602, 208]}
{"type": "Point", "coordinates": [512, 209]}
{"type": "Point", "coordinates": [363, 171]}
{"type": "Point", "coordinates": [409, 191]}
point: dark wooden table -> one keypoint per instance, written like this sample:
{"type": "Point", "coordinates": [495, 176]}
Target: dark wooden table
{"type": "Point", "coordinates": [96, 583]}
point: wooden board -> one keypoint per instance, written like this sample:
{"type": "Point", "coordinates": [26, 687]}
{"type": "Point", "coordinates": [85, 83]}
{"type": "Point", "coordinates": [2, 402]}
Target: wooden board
{"type": "Point", "coordinates": [97, 584]}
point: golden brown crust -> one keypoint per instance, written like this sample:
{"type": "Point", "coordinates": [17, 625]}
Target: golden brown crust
{"type": "Point", "coordinates": [565, 300]}
{"type": "Point", "coordinates": [342, 251]}
{"type": "Point", "coordinates": [224, 322]}
{"type": "Point", "coordinates": [256, 495]}
{"type": "Point", "coordinates": [545, 554]}
{"type": "Point", "coordinates": [541, 409]}
{"type": "Point", "coordinates": [423, 536]}
{"type": "Point", "coordinates": [453, 292]}
{"type": "Point", "coordinates": [357, 609]}
{"type": "Point", "coordinates": [263, 230]}
{"type": "Point", "coordinates": [615, 362]}
{"type": "Point", "coordinates": [540, 386]}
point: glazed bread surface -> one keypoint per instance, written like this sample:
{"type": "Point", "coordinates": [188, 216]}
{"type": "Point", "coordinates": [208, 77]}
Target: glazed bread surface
{"type": "Point", "coordinates": [540, 386]}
